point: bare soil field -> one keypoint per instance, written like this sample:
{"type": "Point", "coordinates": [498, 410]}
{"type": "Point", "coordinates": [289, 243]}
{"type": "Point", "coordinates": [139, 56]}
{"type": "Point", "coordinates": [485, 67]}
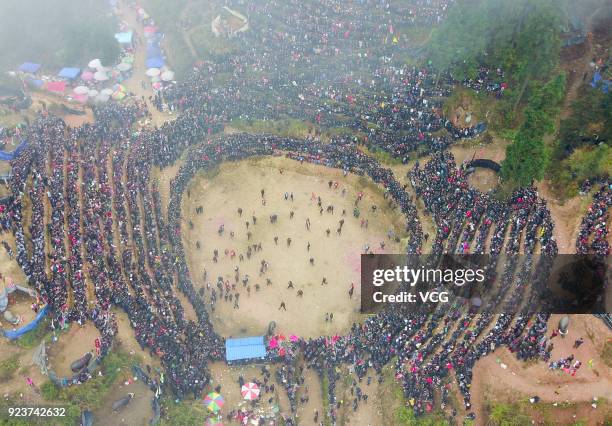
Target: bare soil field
{"type": "Point", "coordinates": [335, 257]}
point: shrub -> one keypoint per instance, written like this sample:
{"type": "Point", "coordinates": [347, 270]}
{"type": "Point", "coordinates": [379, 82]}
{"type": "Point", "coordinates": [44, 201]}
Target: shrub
{"type": "Point", "coordinates": [8, 367]}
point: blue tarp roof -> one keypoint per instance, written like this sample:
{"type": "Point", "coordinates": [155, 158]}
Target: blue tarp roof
{"type": "Point", "coordinates": [245, 348]}
{"type": "Point", "coordinates": [69, 72]}
{"type": "Point", "coordinates": [124, 38]}
{"type": "Point", "coordinates": [156, 62]}
{"type": "Point", "coordinates": [154, 52]}
{"type": "Point", "coordinates": [29, 67]}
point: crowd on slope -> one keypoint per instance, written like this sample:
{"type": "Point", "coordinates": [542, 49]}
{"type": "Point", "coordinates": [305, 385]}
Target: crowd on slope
{"type": "Point", "coordinates": [98, 237]}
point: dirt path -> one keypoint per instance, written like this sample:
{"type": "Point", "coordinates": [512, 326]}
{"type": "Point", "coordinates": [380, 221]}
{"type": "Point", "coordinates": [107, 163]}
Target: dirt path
{"type": "Point", "coordinates": [134, 83]}
{"type": "Point", "coordinates": [528, 379]}
{"type": "Point", "coordinates": [577, 68]}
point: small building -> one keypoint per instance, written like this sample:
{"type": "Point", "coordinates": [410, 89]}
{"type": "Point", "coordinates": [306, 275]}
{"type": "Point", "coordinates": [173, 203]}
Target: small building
{"type": "Point", "coordinates": [245, 349]}
{"type": "Point", "coordinates": [69, 73]}
{"type": "Point", "coordinates": [29, 67]}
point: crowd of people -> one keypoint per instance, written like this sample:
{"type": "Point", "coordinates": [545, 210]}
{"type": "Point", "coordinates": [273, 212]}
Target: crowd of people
{"type": "Point", "coordinates": [97, 235]}
{"type": "Point", "coordinates": [593, 235]}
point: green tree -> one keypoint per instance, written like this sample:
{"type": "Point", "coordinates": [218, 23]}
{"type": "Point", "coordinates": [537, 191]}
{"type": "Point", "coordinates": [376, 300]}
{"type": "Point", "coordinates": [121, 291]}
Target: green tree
{"type": "Point", "coordinates": [527, 156]}
{"type": "Point", "coordinates": [521, 36]}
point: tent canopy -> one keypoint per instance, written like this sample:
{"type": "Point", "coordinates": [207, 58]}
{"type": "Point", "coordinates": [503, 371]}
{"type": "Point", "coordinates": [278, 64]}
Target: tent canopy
{"type": "Point", "coordinates": [69, 72]}
{"type": "Point", "coordinates": [29, 67]}
{"type": "Point", "coordinates": [124, 38]}
{"type": "Point", "coordinates": [155, 62]}
{"type": "Point", "coordinates": [245, 348]}
{"type": "Point", "coordinates": [56, 86]}
{"type": "Point", "coordinates": [153, 51]}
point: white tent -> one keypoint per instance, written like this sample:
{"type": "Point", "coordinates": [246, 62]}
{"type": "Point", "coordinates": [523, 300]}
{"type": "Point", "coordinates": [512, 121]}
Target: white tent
{"type": "Point", "coordinates": [167, 76]}
{"type": "Point", "coordinates": [153, 72]}
{"type": "Point", "coordinates": [100, 76]}
{"type": "Point", "coordinates": [95, 63]}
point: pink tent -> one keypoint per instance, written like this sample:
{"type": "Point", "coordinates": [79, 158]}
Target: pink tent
{"type": "Point", "coordinates": [56, 86]}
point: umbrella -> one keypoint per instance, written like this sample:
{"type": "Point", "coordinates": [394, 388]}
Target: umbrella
{"type": "Point", "coordinates": [100, 76]}
{"type": "Point", "coordinates": [250, 391]}
{"type": "Point", "coordinates": [155, 79]}
{"type": "Point", "coordinates": [101, 98]}
{"type": "Point", "coordinates": [293, 338]}
{"type": "Point", "coordinates": [80, 90]}
{"type": "Point", "coordinates": [93, 93]}
{"type": "Point", "coordinates": [118, 95]}
{"type": "Point", "coordinates": [81, 98]}
{"type": "Point", "coordinates": [107, 91]}
{"type": "Point", "coordinates": [124, 66]}
{"type": "Point", "coordinates": [150, 29]}
{"type": "Point", "coordinates": [273, 343]}
{"type": "Point", "coordinates": [128, 59]}
{"type": "Point", "coordinates": [214, 402]}
{"type": "Point", "coordinates": [157, 85]}
{"type": "Point", "coordinates": [119, 88]}
{"type": "Point", "coordinates": [153, 72]}
{"type": "Point", "coordinates": [95, 63]}
{"type": "Point", "coordinates": [213, 421]}
{"type": "Point", "coordinates": [87, 76]}
{"type": "Point", "coordinates": [167, 75]}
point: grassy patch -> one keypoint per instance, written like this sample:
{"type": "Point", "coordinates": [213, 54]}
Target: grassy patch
{"type": "Point", "coordinates": [207, 45]}
{"type": "Point", "coordinates": [588, 162]}
{"type": "Point", "coordinates": [381, 156]}
{"type": "Point", "coordinates": [184, 413]}
{"type": "Point", "coordinates": [33, 337]}
{"type": "Point", "coordinates": [325, 399]}
{"type": "Point", "coordinates": [506, 414]}
{"type": "Point", "coordinates": [90, 395]}
{"type": "Point", "coordinates": [606, 353]}
{"type": "Point", "coordinates": [8, 367]}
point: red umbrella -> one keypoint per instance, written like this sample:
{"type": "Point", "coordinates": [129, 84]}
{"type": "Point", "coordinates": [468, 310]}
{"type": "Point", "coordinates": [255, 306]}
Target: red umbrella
{"type": "Point", "coordinates": [250, 391]}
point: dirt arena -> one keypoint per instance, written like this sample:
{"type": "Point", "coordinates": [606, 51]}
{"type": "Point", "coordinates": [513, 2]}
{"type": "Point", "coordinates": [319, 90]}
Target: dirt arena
{"type": "Point", "coordinates": [336, 258]}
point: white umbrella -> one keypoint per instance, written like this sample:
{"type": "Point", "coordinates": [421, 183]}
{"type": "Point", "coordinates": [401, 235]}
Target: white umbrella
{"type": "Point", "coordinates": [95, 63]}
{"type": "Point", "coordinates": [153, 72]}
{"type": "Point", "coordinates": [250, 391]}
{"type": "Point", "coordinates": [81, 90]}
{"type": "Point", "coordinates": [167, 76]}
{"type": "Point", "coordinates": [93, 93]}
{"type": "Point", "coordinates": [108, 91]}
{"type": "Point", "coordinates": [124, 66]}
{"type": "Point", "coordinates": [100, 76]}
{"type": "Point", "coordinates": [102, 97]}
